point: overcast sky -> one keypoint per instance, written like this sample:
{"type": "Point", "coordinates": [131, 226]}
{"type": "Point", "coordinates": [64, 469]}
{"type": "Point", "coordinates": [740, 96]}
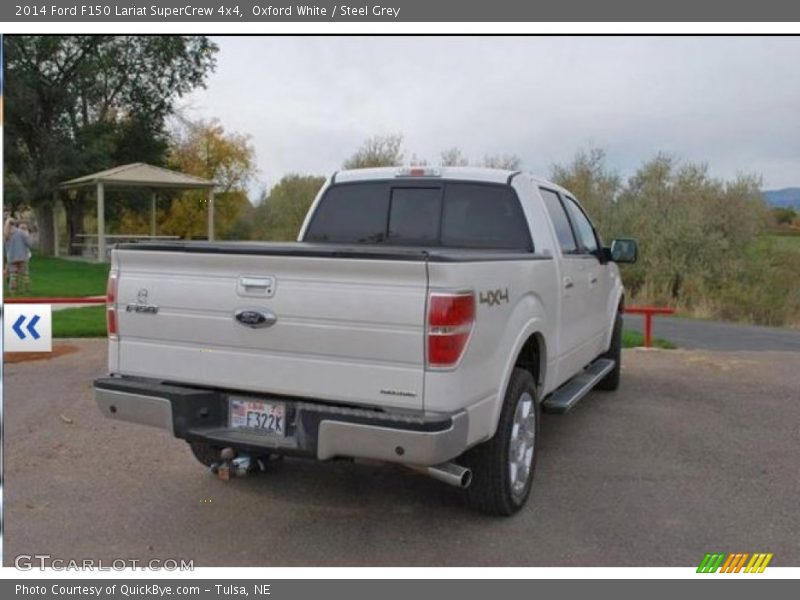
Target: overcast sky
{"type": "Point", "coordinates": [309, 102]}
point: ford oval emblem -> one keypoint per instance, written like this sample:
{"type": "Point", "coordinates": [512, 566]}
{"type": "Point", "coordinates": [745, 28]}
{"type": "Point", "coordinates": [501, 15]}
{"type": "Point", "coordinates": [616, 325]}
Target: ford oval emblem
{"type": "Point", "coordinates": [255, 318]}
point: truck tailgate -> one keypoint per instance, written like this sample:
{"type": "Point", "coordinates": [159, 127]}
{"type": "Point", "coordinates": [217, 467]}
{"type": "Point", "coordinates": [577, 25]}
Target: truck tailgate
{"type": "Point", "coordinates": [346, 329]}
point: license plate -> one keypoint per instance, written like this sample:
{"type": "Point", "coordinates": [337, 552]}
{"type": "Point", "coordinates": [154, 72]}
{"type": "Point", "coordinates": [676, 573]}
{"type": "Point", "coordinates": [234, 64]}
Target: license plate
{"type": "Point", "coordinates": [258, 416]}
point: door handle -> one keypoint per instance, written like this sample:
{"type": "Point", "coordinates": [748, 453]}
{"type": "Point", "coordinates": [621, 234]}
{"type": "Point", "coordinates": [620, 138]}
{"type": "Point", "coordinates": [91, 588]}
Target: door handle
{"type": "Point", "coordinates": [568, 283]}
{"type": "Point", "coordinates": [592, 279]}
{"type": "Point", "coordinates": [261, 287]}
{"type": "Point", "coordinates": [252, 282]}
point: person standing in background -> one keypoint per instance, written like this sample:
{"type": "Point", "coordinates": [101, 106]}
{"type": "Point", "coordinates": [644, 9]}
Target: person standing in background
{"type": "Point", "coordinates": [18, 256]}
{"type": "Point", "coordinates": [8, 228]}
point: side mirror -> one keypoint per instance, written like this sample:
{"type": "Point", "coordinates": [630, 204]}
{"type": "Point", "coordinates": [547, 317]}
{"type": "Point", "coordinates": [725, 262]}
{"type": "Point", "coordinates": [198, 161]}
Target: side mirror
{"type": "Point", "coordinates": [624, 251]}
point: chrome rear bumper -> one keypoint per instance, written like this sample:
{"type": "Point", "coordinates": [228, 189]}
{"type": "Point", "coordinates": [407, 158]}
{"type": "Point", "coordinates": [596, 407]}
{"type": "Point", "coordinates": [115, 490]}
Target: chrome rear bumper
{"type": "Point", "coordinates": [340, 438]}
{"type": "Point", "coordinates": [135, 408]}
{"type": "Point", "coordinates": [315, 429]}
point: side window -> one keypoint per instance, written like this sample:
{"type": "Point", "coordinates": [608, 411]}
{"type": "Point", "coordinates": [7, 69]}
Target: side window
{"type": "Point", "coordinates": [566, 239]}
{"type": "Point", "coordinates": [583, 226]}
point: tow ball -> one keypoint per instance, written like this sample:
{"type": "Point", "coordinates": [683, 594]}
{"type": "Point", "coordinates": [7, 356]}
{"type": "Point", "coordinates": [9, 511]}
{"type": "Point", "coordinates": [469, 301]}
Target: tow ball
{"type": "Point", "coordinates": [232, 465]}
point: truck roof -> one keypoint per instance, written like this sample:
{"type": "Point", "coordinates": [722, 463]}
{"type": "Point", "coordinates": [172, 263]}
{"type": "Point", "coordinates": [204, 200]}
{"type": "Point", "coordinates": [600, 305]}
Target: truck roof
{"type": "Point", "coordinates": [457, 173]}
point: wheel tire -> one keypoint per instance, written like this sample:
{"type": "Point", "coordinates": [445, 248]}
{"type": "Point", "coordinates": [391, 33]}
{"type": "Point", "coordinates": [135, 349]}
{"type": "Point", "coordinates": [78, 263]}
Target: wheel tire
{"type": "Point", "coordinates": [491, 490]}
{"type": "Point", "coordinates": [611, 381]}
{"type": "Point", "coordinates": [205, 453]}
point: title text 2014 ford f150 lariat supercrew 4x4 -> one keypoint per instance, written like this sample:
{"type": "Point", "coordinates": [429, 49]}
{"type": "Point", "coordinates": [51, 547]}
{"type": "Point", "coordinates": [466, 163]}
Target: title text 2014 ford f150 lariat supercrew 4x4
{"type": "Point", "coordinates": [425, 317]}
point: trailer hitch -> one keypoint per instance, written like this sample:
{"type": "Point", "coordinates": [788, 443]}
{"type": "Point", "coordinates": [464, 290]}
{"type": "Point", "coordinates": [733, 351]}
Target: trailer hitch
{"type": "Point", "coordinates": [236, 465]}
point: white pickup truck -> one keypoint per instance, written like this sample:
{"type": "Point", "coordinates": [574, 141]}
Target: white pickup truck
{"type": "Point", "coordinates": [424, 317]}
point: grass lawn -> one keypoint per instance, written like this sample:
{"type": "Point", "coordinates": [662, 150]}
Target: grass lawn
{"type": "Point", "coordinates": [59, 277]}
{"type": "Point", "coordinates": [634, 339]}
{"type": "Point", "coordinates": [775, 241]}
{"type": "Point", "coordinates": [787, 241]}
{"type": "Point", "coordinates": [86, 322]}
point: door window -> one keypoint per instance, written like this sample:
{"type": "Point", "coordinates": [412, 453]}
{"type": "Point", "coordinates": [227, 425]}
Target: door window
{"type": "Point", "coordinates": [566, 238]}
{"type": "Point", "coordinates": [583, 227]}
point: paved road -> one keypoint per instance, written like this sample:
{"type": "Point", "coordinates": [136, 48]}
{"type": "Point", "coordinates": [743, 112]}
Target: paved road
{"type": "Point", "coordinates": [697, 451]}
{"type": "Point", "coordinates": [717, 335]}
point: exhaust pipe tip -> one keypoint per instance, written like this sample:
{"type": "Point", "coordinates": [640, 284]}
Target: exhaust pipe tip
{"type": "Point", "coordinates": [449, 473]}
{"type": "Point", "coordinates": [466, 478]}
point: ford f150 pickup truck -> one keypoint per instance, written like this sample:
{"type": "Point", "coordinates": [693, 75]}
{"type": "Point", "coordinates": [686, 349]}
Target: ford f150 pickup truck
{"type": "Point", "coordinates": [424, 317]}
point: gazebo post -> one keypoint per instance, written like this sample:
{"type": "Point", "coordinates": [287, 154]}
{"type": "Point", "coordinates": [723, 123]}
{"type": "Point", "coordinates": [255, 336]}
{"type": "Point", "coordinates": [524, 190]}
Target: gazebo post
{"type": "Point", "coordinates": [211, 214]}
{"type": "Point", "coordinates": [55, 223]}
{"type": "Point", "coordinates": [101, 223]}
{"type": "Point", "coordinates": [153, 214]}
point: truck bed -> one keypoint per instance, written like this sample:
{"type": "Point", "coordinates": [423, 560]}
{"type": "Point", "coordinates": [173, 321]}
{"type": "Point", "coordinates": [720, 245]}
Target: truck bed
{"type": "Point", "coordinates": [316, 250]}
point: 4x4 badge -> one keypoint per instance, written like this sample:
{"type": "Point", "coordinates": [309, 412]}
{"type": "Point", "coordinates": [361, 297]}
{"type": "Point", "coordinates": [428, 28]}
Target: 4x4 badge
{"type": "Point", "coordinates": [493, 297]}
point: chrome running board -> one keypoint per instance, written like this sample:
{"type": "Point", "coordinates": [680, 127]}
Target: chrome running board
{"type": "Point", "coordinates": [569, 394]}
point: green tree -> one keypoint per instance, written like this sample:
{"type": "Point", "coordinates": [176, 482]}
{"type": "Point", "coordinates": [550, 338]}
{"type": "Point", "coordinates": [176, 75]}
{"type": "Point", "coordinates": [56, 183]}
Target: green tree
{"type": "Point", "coordinates": [588, 177]}
{"type": "Point", "coordinates": [77, 104]}
{"type": "Point", "coordinates": [692, 228]}
{"type": "Point", "coordinates": [510, 162]}
{"type": "Point", "coordinates": [281, 213]}
{"type": "Point", "coordinates": [784, 215]}
{"type": "Point", "coordinates": [205, 149]}
{"type": "Point", "coordinates": [377, 151]}
{"type": "Point", "coordinates": [700, 238]}
{"type": "Point", "coordinates": [453, 157]}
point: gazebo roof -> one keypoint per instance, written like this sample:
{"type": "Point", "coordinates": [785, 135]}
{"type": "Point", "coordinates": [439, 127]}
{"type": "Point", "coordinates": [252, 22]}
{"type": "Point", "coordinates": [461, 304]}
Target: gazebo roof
{"type": "Point", "coordinates": [140, 175]}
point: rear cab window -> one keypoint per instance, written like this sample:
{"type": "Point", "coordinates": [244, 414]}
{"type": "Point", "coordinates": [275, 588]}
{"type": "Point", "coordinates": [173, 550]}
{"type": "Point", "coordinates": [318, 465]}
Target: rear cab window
{"type": "Point", "coordinates": [414, 215]}
{"type": "Point", "coordinates": [450, 214]}
{"type": "Point", "coordinates": [352, 214]}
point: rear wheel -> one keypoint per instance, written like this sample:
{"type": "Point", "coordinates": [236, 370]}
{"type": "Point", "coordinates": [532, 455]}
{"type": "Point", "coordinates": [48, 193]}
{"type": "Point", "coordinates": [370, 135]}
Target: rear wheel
{"type": "Point", "coordinates": [503, 467]}
{"type": "Point", "coordinates": [611, 381]}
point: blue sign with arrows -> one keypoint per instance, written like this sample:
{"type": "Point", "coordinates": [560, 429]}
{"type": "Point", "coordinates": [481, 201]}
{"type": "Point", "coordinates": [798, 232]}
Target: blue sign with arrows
{"type": "Point", "coordinates": [27, 327]}
{"type": "Point", "coordinates": [30, 328]}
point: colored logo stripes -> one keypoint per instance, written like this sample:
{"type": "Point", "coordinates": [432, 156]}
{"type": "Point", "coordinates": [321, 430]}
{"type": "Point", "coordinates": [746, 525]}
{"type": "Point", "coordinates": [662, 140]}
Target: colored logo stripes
{"type": "Point", "coordinates": [734, 562]}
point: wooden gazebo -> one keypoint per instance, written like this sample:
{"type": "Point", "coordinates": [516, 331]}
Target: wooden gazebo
{"type": "Point", "coordinates": [137, 175]}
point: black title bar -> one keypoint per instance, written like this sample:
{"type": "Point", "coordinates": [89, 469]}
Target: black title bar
{"type": "Point", "coordinates": [361, 11]}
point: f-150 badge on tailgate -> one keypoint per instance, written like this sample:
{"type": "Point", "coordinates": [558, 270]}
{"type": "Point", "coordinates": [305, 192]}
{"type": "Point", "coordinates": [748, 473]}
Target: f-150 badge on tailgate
{"type": "Point", "coordinates": [141, 305]}
{"type": "Point", "coordinates": [255, 318]}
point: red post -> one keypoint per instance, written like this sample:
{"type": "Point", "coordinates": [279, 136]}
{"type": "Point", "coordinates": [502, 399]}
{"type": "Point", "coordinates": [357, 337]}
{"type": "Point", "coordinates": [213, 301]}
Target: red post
{"type": "Point", "coordinates": [648, 312]}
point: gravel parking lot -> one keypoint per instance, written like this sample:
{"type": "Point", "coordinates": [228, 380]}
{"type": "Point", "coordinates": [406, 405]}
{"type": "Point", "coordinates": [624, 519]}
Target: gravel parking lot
{"type": "Point", "coordinates": [698, 451]}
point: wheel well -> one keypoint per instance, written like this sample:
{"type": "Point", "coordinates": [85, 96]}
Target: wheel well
{"type": "Point", "coordinates": [532, 357]}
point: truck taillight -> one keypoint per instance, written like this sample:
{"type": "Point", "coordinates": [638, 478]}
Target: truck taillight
{"type": "Point", "coordinates": [450, 320]}
{"type": "Point", "coordinates": [111, 308]}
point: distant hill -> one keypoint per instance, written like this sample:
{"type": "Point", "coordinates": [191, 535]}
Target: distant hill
{"type": "Point", "coordinates": [785, 197]}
